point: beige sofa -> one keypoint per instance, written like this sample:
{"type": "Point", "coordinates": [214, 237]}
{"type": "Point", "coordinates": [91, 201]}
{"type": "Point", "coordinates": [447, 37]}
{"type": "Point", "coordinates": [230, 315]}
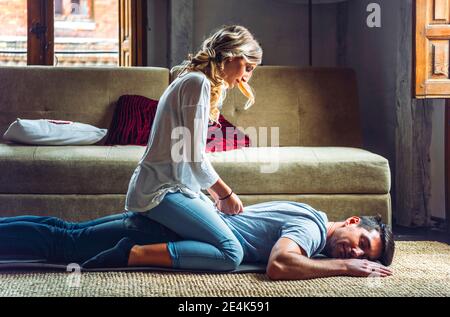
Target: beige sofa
{"type": "Point", "coordinates": [319, 159]}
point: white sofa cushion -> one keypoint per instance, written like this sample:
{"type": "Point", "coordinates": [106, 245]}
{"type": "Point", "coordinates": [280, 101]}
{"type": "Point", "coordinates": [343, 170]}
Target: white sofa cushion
{"type": "Point", "coordinates": [53, 132]}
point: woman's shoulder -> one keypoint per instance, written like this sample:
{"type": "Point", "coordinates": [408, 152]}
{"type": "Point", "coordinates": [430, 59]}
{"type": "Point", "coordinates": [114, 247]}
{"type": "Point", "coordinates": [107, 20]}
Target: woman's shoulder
{"type": "Point", "coordinates": [194, 79]}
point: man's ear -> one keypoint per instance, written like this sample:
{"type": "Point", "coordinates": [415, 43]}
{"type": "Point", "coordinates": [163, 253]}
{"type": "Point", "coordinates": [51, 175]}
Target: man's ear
{"type": "Point", "coordinates": [352, 221]}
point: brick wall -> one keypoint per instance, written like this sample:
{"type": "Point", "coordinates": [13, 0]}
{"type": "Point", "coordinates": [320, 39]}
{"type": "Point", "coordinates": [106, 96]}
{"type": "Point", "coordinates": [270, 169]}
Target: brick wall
{"type": "Point", "coordinates": [105, 16]}
{"type": "Point", "coordinates": [13, 16]}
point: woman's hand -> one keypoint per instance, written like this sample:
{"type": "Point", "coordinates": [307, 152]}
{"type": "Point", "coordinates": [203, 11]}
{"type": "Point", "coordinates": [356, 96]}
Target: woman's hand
{"type": "Point", "coordinates": [213, 195]}
{"type": "Point", "coordinates": [231, 205]}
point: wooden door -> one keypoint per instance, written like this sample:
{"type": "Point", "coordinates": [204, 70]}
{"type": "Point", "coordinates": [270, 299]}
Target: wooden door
{"type": "Point", "coordinates": [432, 64]}
{"type": "Point", "coordinates": [132, 32]}
{"type": "Point", "coordinates": [447, 163]}
{"type": "Point", "coordinates": [432, 42]}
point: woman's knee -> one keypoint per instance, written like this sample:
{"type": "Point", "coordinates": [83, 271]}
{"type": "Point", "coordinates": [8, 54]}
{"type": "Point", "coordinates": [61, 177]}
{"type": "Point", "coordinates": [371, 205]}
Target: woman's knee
{"type": "Point", "coordinates": [234, 254]}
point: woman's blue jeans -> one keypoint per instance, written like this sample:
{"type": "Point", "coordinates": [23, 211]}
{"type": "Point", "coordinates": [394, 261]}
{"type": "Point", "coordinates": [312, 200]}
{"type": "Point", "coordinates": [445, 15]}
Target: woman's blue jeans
{"type": "Point", "coordinates": [207, 243]}
{"type": "Point", "coordinates": [197, 237]}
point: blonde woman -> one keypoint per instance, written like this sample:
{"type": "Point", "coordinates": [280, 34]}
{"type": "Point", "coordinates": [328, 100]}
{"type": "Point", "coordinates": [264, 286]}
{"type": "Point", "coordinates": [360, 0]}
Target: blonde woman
{"type": "Point", "coordinates": [167, 181]}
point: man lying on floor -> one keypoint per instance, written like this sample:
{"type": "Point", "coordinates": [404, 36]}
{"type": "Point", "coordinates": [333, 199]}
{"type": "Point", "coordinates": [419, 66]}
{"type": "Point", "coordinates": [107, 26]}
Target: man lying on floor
{"type": "Point", "coordinates": [284, 234]}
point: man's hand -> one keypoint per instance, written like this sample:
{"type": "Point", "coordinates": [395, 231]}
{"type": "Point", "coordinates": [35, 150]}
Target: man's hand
{"type": "Point", "coordinates": [288, 261]}
{"type": "Point", "coordinates": [364, 268]}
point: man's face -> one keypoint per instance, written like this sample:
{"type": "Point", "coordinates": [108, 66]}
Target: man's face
{"type": "Point", "coordinates": [354, 242]}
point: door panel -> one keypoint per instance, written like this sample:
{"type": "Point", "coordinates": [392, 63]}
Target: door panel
{"type": "Point", "coordinates": [432, 46]}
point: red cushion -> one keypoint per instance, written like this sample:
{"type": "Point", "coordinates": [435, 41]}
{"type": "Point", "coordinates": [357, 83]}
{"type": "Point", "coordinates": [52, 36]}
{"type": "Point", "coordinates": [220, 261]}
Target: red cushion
{"type": "Point", "coordinates": [219, 139]}
{"type": "Point", "coordinates": [132, 120]}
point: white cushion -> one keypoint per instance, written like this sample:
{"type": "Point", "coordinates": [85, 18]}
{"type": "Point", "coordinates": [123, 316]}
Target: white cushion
{"type": "Point", "coordinates": [53, 132]}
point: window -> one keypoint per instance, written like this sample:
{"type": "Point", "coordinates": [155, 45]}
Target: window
{"type": "Point", "coordinates": [58, 7]}
{"type": "Point", "coordinates": [13, 36]}
{"type": "Point", "coordinates": [82, 39]}
{"type": "Point", "coordinates": [73, 32]}
{"type": "Point", "coordinates": [78, 10]}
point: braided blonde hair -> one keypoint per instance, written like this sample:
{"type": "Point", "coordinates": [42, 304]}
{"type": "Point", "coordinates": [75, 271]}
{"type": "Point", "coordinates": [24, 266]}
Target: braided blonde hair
{"type": "Point", "coordinates": [227, 42]}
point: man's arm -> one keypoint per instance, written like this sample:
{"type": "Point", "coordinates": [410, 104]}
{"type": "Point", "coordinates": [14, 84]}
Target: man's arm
{"type": "Point", "coordinates": [288, 261]}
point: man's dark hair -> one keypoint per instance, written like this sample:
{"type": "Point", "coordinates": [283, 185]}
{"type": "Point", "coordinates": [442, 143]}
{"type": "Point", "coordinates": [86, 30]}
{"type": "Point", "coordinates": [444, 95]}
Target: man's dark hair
{"type": "Point", "coordinates": [387, 238]}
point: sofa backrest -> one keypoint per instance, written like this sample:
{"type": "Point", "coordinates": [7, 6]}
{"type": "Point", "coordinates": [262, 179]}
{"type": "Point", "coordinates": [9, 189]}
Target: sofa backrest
{"type": "Point", "coordinates": [86, 95]}
{"type": "Point", "coordinates": [311, 106]}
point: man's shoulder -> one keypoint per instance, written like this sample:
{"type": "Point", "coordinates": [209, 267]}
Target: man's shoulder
{"type": "Point", "coordinates": [301, 209]}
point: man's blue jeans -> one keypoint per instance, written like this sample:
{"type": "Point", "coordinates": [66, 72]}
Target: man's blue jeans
{"type": "Point", "coordinates": [197, 237]}
{"type": "Point", "coordinates": [54, 240]}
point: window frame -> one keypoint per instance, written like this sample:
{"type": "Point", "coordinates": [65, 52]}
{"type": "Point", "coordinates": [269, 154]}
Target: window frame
{"type": "Point", "coordinates": [40, 32]}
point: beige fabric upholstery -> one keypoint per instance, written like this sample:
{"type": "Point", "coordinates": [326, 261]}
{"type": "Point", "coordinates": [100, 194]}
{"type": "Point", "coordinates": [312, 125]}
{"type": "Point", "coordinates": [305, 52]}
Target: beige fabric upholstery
{"type": "Point", "coordinates": [285, 170]}
{"type": "Point", "coordinates": [85, 207]}
{"type": "Point", "coordinates": [67, 169]}
{"type": "Point", "coordinates": [303, 170]}
{"type": "Point", "coordinates": [320, 160]}
{"type": "Point", "coordinates": [86, 95]}
{"type": "Point", "coordinates": [311, 106]}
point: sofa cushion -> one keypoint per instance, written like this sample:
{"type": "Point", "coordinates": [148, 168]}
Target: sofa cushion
{"type": "Point", "coordinates": [107, 170]}
{"type": "Point", "coordinates": [303, 170]}
{"type": "Point", "coordinates": [81, 94]}
{"type": "Point", "coordinates": [68, 169]}
{"type": "Point", "coordinates": [132, 120]}
{"type": "Point", "coordinates": [225, 137]}
{"type": "Point", "coordinates": [53, 132]}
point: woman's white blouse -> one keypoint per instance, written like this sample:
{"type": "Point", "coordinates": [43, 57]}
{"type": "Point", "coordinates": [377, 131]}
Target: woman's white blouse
{"type": "Point", "coordinates": [175, 158]}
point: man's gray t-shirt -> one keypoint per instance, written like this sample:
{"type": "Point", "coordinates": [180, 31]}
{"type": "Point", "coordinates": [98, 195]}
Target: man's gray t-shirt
{"type": "Point", "coordinates": [260, 226]}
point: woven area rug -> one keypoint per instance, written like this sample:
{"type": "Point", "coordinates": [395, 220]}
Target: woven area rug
{"type": "Point", "coordinates": [421, 268]}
